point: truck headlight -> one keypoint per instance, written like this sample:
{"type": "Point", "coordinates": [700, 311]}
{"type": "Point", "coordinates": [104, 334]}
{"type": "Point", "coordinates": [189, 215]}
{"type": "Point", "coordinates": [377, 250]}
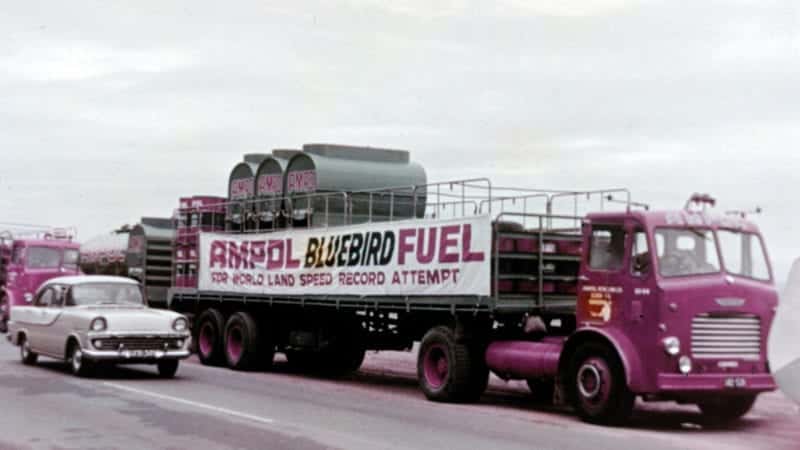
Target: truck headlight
{"type": "Point", "coordinates": [685, 364]}
{"type": "Point", "coordinates": [672, 345]}
{"type": "Point", "coordinates": [180, 324]}
{"type": "Point", "coordinates": [98, 324]}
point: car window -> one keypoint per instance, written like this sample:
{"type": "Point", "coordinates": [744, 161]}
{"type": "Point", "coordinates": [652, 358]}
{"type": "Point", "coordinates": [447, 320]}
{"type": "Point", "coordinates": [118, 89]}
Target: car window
{"type": "Point", "coordinates": [45, 298]}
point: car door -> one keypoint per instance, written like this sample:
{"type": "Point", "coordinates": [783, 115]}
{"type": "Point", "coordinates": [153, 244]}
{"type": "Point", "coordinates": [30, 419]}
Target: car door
{"type": "Point", "coordinates": [52, 325]}
{"type": "Point", "coordinates": [36, 318]}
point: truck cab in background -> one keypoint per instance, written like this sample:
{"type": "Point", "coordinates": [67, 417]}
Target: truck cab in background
{"type": "Point", "coordinates": [28, 259]}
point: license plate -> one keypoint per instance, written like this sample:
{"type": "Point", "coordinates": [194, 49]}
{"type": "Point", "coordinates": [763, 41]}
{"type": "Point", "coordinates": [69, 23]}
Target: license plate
{"type": "Point", "coordinates": [139, 353]}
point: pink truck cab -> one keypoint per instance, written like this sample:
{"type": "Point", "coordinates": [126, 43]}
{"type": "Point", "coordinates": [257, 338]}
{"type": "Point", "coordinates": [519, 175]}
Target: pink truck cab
{"type": "Point", "coordinates": [28, 261]}
{"type": "Point", "coordinates": [671, 306]}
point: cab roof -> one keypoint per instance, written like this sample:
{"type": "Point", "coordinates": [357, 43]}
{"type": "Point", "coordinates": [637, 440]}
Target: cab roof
{"type": "Point", "coordinates": [680, 218]}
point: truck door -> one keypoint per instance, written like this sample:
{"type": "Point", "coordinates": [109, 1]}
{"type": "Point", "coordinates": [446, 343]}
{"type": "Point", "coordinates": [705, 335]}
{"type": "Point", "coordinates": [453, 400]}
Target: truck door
{"type": "Point", "coordinates": [603, 274]}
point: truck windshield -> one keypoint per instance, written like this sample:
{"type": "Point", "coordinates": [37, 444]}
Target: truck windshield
{"type": "Point", "coordinates": [43, 258]}
{"type": "Point", "coordinates": [743, 254]}
{"type": "Point", "coordinates": [686, 251]}
{"type": "Point", "coordinates": [106, 294]}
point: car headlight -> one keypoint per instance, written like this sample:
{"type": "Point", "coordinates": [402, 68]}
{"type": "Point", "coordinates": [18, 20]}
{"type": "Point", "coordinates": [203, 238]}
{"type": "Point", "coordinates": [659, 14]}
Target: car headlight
{"type": "Point", "coordinates": [685, 364]}
{"type": "Point", "coordinates": [98, 324]}
{"type": "Point", "coordinates": [180, 324]}
{"type": "Point", "coordinates": [672, 345]}
{"type": "Point", "coordinates": [28, 297]}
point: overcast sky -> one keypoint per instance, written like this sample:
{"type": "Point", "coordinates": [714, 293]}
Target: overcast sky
{"type": "Point", "coordinates": [112, 110]}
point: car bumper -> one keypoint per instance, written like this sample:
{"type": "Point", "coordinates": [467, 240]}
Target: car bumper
{"type": "Point", "coordinates": [725, 383]}
{"type": "Point", "coordinates": [135, 356]}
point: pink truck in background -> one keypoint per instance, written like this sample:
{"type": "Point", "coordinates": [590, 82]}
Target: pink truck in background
{"type": "Point", "coordinates": [591, 306]}
{"type": "Point", "coordinates": [28, 259]}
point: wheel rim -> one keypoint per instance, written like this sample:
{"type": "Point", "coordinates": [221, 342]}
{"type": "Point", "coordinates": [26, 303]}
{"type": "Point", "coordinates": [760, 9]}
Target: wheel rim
{"type": "Point", "coordinates": [206, 339]}
{"type": "Point", "coordinates": [594, 383]}
{"type": "Point", "coordinates": [25, 349]}
{"type": "Point", "coordinates": [234, 343]}
{"type": "Point", "coordinates": [436, 366]}
{"type": "Point", "coordinates": [77, 360]}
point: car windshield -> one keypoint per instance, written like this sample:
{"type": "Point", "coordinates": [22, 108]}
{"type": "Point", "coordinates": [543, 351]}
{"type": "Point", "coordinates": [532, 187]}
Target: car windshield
{"type": "Point", "coordinates": [107, 294]}
{"type": "Point", "coordinates": [43, 258]}
{"type": "Point", "coordinates": [743, 254]}
{"type": "Point", "coordinates": [686, 251]}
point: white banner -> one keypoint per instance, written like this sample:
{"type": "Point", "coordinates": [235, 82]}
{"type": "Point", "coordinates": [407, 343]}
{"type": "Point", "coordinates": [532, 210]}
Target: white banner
{"type": "Point", "coordinates": [412, 257]}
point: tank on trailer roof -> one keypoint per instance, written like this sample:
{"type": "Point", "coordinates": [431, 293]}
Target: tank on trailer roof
{"type": "Point", "coordinates": [383, 184]}
{"type": "Point", "coordinates": [241, 192]}
{"type": "Point", "coordinates": [269, 188]}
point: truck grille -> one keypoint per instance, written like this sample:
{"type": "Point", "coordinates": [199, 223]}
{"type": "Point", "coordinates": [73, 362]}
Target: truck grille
{"type": "Point", "coordinates": [730, 336]}
{"type": "Point", "coordinates": [137, 343]}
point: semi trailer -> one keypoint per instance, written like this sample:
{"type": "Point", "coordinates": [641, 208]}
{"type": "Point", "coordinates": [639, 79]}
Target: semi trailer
{"type": "Point", "coordinates": [594, 309]}
{"type": "Point", "coordinates": [144, 252]}
{"type": "Point", "coordinates": [29, 256]}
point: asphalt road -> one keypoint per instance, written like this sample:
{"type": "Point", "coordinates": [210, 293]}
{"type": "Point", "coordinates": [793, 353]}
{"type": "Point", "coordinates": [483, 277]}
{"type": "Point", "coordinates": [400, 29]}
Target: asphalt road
{"type": "Point", "coordinates": [380, 407]}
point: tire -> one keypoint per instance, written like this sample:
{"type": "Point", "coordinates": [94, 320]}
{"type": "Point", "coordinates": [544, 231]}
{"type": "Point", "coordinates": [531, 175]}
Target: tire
{"type": "Point", "coordinates": [597, 387]}
{"type": "Point", "coordinates": [210, 326]}
{"type": "Point", "coordinates": [27, 356]}
{"type": "Point", "coordinates": [726, 409]}
{"type": "Point", "coordinates": [302, 361]}
{"type": "Point", "coordinates": [542, 390]}
{"type": "Point", "coordinates": [168, 368]}
{"type": "Point", "coordinates": [78, 364]}
{"type": "Point", "coordinates": [242, 342]}
{"type": "Point", "coordinates": [450, 371]}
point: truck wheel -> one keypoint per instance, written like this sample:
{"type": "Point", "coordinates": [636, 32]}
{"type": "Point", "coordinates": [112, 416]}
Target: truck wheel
{"type": "Point", "coordinates": [597, 385]}
{"type": "Point", "coordinates": [241, 341]}
{"type": "Point", "coordinates": [542, 390]}
{"type": "Point", "coordinates": [341, 360]}
{"type": "Point", "coordinates": [78, 364]}
{"type": "Point", "coordinates": [168, 368]}
{"type": "Point", "coordinates": [726, 409]}
{"type": "Point", "coordinates": [450, 371]}
{"type": "Point", "coordinates": [302, 361]}
{"type": "Point", "coordinates": [209, 328]}
{"type": "Point", "coordinates": [27, 356]}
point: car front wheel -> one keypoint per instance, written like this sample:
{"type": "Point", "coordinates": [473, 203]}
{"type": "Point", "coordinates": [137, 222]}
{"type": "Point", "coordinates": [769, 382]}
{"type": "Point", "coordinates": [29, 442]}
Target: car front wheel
{"type": "Point", "coordinates": [78, 364]}
{"type": "Point", "coordinates": [168, 368]}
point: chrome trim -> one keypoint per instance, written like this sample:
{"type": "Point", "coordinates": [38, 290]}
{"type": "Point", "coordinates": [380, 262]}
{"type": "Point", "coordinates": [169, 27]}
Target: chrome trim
{"type": "Point", "coordinates": [729, 336]}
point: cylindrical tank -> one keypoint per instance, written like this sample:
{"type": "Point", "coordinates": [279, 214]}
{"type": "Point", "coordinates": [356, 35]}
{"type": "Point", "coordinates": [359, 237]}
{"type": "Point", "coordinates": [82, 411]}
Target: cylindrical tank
{"type": "Point", "coordinates": [105, 255]}
{"type": "Point", "coordinates": [241, 191]}
{"type": "Point", "coordinates": [331, 169]}
{"type": "Point", "coordinates": [269, 187]}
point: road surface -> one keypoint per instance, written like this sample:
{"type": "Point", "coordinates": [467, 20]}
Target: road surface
{"type": "Point", "coordinates": [380, 407]}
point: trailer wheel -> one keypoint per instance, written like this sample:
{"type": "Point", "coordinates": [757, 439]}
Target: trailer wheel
{"type": "Point", "coordinates": [726, 409]}
{"type": "Point", "coordinates": [209, 331]}
{"type": "Point", "coordinates": [448, 370]}
{"type": "Point", "coordinates": [597, 387]}
{"type": "Point", "coordinates": [241, 341]}
{"type": "Point", "coordinates": [301, 360]}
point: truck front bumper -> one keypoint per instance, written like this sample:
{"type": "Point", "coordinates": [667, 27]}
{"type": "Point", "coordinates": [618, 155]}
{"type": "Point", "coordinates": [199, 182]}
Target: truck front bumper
{"type": "Point", "coordinates": [717, 383]}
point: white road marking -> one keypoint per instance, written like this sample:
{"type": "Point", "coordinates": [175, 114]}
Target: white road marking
{"type": "Point", "coordinates": [216, 409]}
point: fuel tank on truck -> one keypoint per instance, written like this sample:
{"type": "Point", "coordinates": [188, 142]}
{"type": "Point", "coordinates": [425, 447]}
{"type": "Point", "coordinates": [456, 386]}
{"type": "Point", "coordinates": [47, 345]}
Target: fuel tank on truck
{"type": "Point", "coordinates": [269, 187]}
{"type": "Point", "coordinates": [359, 171]}
{"type": "Point", "coordinates": [241, 191]}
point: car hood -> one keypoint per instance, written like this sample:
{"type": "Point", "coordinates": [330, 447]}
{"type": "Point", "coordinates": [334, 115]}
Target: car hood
{"type": "Point", "coordinates": [133, 319]}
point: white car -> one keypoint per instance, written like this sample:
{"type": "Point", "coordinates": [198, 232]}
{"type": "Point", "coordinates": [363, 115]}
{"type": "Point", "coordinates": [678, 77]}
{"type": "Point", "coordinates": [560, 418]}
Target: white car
{"type": "Point", "coordinates": [88, 320]}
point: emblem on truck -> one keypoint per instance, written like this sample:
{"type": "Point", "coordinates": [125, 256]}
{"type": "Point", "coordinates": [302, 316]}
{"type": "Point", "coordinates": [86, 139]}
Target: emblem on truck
{"type": "Point", "coordinates": [730, 302]}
